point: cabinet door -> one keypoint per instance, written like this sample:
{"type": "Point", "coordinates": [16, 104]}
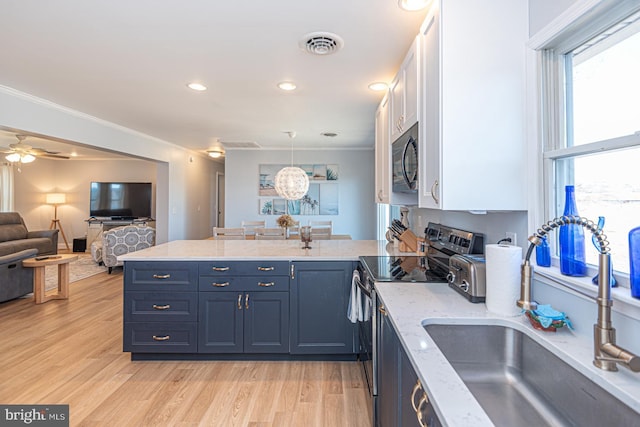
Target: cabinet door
{"type": "Point", "coordinates": [430, 189]}
{"type": "Point", "coordinates": [408, 380]}
{"type": "Point", "coordinates": [319, 298]}
{"type": "Point", "coordinates": [404, 94]}
{"type": "Point", "coordinates": [220, 322]}
{"type": "Point", "coordinates": [383, 152]}
{"type": "Point", "coordinates": [388, 372]}
{"type": "Point", "coordinates": [266, 322]}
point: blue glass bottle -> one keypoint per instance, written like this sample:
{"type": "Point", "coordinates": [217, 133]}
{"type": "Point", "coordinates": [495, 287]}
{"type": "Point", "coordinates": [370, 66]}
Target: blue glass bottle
{"type": "Point", "coordinates": [634, 262]}
{"type": "Point", "coordinates": [572, 258]}
{"type": "Point", "coordinates": [543, 253]}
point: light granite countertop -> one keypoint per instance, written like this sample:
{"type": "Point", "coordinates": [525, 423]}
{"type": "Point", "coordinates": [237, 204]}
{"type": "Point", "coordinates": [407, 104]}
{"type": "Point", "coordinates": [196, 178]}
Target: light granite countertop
{"type": "Point", "coordinates": [412, 305]}
{"type": "Point", "coordinates": [205, 250]}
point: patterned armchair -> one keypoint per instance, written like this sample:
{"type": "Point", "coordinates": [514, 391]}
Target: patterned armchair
{"type": "Point", "coordinates": [122, 240]}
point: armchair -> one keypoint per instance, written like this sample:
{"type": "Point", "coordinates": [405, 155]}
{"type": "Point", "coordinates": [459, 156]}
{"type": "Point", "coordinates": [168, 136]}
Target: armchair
{"type": "Point", "coordinates": [122, 240]}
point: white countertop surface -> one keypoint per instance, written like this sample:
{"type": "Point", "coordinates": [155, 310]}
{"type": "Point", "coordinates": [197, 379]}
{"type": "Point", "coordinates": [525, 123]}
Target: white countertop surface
{"type": "Point", "coordinates": [412, 305]}
{"type": "Point", "coordinates": [204, 250]}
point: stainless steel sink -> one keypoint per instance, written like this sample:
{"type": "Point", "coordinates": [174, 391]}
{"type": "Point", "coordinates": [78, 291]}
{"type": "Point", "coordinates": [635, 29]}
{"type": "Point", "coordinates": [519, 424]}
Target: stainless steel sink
{"type": "Point", "coordinates": [520, 383]}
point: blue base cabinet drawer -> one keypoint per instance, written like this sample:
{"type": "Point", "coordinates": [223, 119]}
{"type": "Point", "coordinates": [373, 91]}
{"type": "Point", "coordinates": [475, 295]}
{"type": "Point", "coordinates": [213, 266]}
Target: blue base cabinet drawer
{"type": "Point", "coordinates": [155, 275]}
{"type": "Point", "coordinates": [160, 306]}
{"type": "Point", "coordinates": [161, 337]}
{"type": "Point", "coordinates": [243, 283]}
{"type": "Point", "coordinates": [244, 268]}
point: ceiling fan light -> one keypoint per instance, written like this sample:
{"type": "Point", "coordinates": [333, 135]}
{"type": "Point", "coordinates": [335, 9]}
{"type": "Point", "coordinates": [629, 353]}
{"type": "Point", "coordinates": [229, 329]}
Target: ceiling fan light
{"type": "Point", "coordinates": [412, 5]}
{"type": "Point", "coordinates": [27, 158]}
{"type": "Point", "coordinates": [291, 183]}
{"type": "Point", "coordinates": [13, 157]}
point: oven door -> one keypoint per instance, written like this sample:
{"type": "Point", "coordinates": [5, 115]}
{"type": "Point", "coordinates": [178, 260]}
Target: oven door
{"type": "Point", "coordinates": [366, 328]}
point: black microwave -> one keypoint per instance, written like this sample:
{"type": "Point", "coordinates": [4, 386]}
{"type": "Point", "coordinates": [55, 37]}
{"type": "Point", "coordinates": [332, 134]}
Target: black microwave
{"type": "Point", "coordinates": [405, 162]}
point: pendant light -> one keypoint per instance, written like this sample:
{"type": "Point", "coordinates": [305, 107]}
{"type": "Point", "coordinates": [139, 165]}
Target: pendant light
{"type": "Point", "coordinates": [291, 182]}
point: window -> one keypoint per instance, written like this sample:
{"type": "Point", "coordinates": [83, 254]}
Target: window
{"type": "Point", "coordinates": [591, 115]}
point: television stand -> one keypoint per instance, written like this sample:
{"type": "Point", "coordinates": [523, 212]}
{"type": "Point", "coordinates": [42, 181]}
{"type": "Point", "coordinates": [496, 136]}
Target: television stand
{"type": "Point", "coordinates": [95, 226]}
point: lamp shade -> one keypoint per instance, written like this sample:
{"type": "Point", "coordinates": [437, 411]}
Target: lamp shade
{"type": "Point", "coordinates": [56, 198]}
{"type": "Point", "coordinates": [291, 183]}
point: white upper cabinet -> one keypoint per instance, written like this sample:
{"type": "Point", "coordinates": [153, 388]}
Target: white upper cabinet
{"type": "Point", "coordinates": [472, 98]}
{"type": "Point", "coordinates": [404, 90]}
{"type": "Point", "coordinates": [383, 152]}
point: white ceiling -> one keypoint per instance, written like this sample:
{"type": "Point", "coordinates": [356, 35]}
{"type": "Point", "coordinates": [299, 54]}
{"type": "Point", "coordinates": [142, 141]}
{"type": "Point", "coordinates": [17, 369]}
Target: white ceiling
{"type": "Point", "coordinates": [128, 62]}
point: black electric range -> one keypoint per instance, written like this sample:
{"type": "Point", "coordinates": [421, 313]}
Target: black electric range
{"type": "Point", "coordinates": [410, 268]}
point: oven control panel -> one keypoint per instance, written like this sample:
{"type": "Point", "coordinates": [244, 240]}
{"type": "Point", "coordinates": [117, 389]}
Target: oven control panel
{"type": "Point", "coordinates": [454, 241]}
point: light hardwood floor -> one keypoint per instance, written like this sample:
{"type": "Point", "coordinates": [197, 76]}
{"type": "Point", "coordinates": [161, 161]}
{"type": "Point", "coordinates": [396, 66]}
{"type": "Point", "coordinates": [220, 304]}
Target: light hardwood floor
{"type": "Point", "coordinates": [70, 352]}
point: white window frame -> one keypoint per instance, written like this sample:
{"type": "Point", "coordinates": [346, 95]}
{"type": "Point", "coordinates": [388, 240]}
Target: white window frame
{"type": "Point", "coordinates": [581, 22]}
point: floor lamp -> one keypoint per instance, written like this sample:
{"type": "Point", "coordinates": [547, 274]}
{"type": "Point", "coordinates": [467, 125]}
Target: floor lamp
{"type": "Point", "coordinates": [56, 199]}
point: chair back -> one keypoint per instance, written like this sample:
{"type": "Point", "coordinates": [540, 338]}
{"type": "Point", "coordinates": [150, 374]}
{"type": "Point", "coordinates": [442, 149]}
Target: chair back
{"type": "Point", "coordinates": [250, 226]}
{"type": "Point", "coordinates": [294, 230]}
{"type": "Point", "coordinates": [125, 239]}
{"type": "Point", "coordinates": [270, 233]}
{"type": "Point", "coordinates": [321, 230]}
{"type": "Point", "coordinates": [222, 233]}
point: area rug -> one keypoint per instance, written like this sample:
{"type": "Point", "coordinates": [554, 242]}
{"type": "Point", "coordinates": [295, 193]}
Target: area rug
{"type": "Point", "coordinates": [79, 269]}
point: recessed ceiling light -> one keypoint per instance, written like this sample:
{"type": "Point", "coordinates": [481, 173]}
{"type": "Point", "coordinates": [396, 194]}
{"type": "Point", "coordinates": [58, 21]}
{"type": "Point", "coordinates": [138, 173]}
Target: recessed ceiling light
{"type": "Point", "coordinates": [378, 86]}
{"type": "Point", "coordinates": [288, 86]}
{"type": "Point", "coordinates": [197, 86]}
{"type": "Point", "coordinates": [329, 134]}
{"type": "Point", "coordinates": [412, 5]}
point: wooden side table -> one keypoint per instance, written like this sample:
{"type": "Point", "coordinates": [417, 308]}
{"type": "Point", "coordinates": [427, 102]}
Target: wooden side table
{"type": "Point", "coordinates": [62, 261]}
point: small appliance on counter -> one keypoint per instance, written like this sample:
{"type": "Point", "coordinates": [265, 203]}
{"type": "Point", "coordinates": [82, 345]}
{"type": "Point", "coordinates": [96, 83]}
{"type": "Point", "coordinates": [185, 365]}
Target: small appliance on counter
{"type": "Point", "coordinates": [467, 275]}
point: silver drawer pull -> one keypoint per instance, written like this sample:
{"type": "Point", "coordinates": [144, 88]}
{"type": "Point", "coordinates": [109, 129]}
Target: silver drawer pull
{"type": "Point", "coordinates": [220, 268]}
{"type": "Point", "coordinates": [266, 284]}
{"type": "Point", "coordinates": [220, 285]}
{"type": "Point", "coordinates": [161, 276]}
{"type": "Point", "coordinates": [266, 268]}
{"type": "Point", "coordinates": [164, 338]}
{"type": "Point", "coordinates": [161, 307]}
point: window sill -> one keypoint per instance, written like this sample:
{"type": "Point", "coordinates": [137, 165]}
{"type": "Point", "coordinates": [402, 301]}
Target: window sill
{"type": "Point", "coordinates": [623, 301]}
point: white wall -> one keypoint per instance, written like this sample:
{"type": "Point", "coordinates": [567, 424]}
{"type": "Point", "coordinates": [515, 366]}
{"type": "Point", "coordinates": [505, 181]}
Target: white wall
{"type": "Point", "coordinates": [182, 185]}
{"type": "Point", "coordinates": [542, 12]}
{"type": "Point", "coordinates": [357, 209]}
{"type": "Point", "coordinates": [72, 178]}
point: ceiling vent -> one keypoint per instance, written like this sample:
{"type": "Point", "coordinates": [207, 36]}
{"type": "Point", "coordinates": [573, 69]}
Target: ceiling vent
{"type": "Point", "coordinates": [230, 145]}
{"type": "Point", "coordinates": [321, 43]}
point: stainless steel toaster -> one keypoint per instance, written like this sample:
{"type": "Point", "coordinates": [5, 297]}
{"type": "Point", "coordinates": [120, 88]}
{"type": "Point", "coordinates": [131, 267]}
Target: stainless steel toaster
{"type": "Point", "coordinates": [467, 275]}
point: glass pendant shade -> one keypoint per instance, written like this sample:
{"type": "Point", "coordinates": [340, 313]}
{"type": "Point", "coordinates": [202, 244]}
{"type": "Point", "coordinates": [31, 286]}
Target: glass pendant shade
{"type": "Point", "coordinates": [292, 183]}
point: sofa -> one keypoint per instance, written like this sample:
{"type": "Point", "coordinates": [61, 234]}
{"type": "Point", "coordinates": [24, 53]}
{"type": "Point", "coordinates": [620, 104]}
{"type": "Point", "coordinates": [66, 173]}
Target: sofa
{"type": "Point", "coordinates": [14, 236]}
{"type": "Point", "coordinates": [15, 280]}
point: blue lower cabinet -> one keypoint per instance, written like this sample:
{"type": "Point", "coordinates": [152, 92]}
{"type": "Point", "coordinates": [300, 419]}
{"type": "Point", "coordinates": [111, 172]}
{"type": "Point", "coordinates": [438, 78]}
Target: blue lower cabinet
{"type": "Point", "coordinates": [160, 337]}
{"type": "Point", "coordinates": [244, 322]}
{"type": "Point", "coordinates": [319, 296]}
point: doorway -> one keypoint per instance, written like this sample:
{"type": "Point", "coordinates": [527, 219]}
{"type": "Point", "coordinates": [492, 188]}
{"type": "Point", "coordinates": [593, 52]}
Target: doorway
{"type": "Point", "coordinates": [220, 200]}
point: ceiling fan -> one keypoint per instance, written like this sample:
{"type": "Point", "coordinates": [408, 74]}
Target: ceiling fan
{"type": "Point", "coordinates": [24, 153]}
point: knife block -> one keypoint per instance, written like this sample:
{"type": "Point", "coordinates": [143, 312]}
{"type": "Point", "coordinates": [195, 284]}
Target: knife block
{"type": "Point", "coordinates": [408, 242]}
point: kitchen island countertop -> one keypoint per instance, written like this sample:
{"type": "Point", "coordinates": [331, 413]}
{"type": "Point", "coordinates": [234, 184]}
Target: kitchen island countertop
{"type": "Point", "coordinates": [242, 250]}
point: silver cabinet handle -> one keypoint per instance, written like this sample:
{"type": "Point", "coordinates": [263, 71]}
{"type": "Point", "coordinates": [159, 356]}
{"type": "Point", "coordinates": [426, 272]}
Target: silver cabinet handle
{"type": "Point", "coordinates": [240, 302]}
{"type": "Point", "coordinates": [293, 276]}
{"type": "Point", "coordinates": [433, 194]}
{"type": "Point", "coordinates": [266, 268]}
{"type": "Point", "coordinates": [161, 276]}
{"type": "Point", "coordinates": [246, 302]}
{"type": "Point", "coordinates": [266, 284]}
{"type": "Point", "coordinates": [161, 307]}
{"type": "Point", "coordinates": [164, 338]}
{"type": "Point", "coordinates": [220, 285]}
{"type": "Point", "coordinates": [220, 268]}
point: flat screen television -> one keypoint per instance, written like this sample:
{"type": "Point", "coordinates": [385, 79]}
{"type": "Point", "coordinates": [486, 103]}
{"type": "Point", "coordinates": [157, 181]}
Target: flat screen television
{"type": "Point", "coordinates": [120, 200]}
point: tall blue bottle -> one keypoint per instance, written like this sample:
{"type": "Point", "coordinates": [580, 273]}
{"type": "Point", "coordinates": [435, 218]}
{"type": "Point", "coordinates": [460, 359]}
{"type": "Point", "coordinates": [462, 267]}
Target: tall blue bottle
{"type": "Point", "coordinates": [572, 259]}
{"type": "Point", "coordinates": [634, 261]}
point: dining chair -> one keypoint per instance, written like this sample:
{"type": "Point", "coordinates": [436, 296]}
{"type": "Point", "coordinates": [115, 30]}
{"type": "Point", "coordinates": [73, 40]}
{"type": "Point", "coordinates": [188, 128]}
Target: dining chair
{"type": "Point", "coordinates": [277, 233]}
{"type": "Point", "coordinates": [250, 226]}
{"type": "Point", "coordinates": [321, 230]}
{"type": "Point", "coordinates": [222, 233]}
